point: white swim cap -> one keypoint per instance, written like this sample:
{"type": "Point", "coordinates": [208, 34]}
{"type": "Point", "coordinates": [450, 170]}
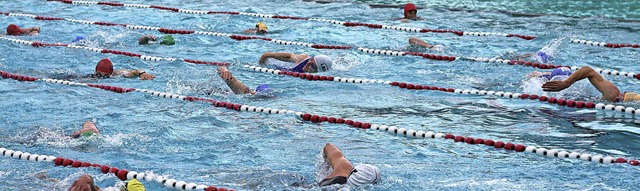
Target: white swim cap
{"type": "Point", "coordinates": [323, 62]}
{"type": "Point", "coordinates": [364, 174]}
{"type": "Point", "coordinates": [438, 48]}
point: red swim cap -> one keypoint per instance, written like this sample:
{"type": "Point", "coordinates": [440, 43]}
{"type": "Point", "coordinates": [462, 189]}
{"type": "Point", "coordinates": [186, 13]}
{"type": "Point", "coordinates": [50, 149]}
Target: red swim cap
{"type": "Point", "coordinates": [105, 66]}
{"type": "Point", "coordinates": [409, 7]}
{"type": "Point", "coordinates": [14, 30]}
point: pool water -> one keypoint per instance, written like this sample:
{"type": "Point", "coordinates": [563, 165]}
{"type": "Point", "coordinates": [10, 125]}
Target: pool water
{"type": "Point", "coordinates": [196, 142]}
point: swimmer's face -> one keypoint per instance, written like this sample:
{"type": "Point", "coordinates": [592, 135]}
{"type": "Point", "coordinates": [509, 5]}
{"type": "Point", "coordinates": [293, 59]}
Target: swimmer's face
{"type": "Point", "coordinates": [413, 14]}
{"type": "Point", "coordinates": [310, 67]}
{"type": "Point", "coordinates": [102, 74]}
{"type": "Point", "coordinates": [34, 31]}
{"type": "Point", "coordinates": [262, 31]}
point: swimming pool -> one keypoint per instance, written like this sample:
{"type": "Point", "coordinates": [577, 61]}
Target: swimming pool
{"type": "Point", "coordinates": [196, 142]}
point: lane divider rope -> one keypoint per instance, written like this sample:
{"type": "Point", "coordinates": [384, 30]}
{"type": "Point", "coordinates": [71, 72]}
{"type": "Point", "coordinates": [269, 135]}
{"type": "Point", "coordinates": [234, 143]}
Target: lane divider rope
{"type": "Point", "coordinates": [116, 52]}
{"type": "Point", "coordinates": [346, 24]}
{"type": "Point", "coordinates": [551, 100]}
{"type": "Point", "coordinates": [364, 125]}
{"type": "Point", "coordinates": [121, 174]}
{"type": "Point", "coordinates": [365, 50]}
{"type": "Point", "coordinates": [604, 44]}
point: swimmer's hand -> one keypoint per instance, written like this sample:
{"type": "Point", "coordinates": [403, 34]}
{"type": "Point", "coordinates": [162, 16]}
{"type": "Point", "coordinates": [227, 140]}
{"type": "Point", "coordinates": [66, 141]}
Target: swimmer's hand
{"type": "Point", "coordinates": [84, 182]}
{"type": "Point", "coordinates": [555, 86]}
{"type": "Point", "coordinates": [224, 73]}
{"type": "Point", "coordinates": [147, 76]}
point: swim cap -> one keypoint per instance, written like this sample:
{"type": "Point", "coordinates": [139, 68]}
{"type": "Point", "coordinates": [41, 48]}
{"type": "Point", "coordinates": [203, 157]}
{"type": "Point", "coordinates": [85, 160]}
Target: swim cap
{"type": "Point", "coordinates": [168, 40]}
{"type": "Point", "coordinates": [364, 174]}
{"type": "Point", "coordinates": [105, 66]}
{"type": "Point", "coordinates": [14, 30]}
{"type": "Point", "coordinates": [86, 134]}
{"type": "Point", "coordinates": [261, 26]}
{"type": "Point", "coordinates": [133, 185]}
{"type": "Point", "coordinates": [323, 62]}
{"type": "Point", "coordinates": [562, 71]}
{"type": "Point", "coordinates": [78, 39]}
{"type": "Point", "coordinates": [630, 96]}
{"type": "Point", "coordinates": [409, 7]}
{"type": "Point", "coordinates": [544, 57]}
{"type": "Point", "coordinates": [263, 89]}
{"type": "Point", "coordinates": [437, 47]}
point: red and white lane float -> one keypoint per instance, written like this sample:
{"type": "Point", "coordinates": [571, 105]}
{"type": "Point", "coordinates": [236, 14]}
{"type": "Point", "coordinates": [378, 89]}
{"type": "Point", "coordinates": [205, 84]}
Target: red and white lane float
{"type": "Point", "coordinates": [604, 44]}
{"type": "Point", "coordinates": [116, 52]}
{"type": "Point", "coordinates": [551, 100]}
{"type": "Point", "coordinates": [314, 118]}
{"type": "Point", "coordinates": [176, 31]}
{"type": "Point", "coordinates": [121, 174]}
{"type": "Point", "coordinates": [347, 24]}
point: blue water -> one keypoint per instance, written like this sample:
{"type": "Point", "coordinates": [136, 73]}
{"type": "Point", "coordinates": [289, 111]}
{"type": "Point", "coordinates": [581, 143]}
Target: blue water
{"type": "Point", "coordinates": [195, 142]}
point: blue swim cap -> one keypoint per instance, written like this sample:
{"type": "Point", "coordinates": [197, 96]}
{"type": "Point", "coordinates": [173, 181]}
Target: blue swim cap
{"type": "Point", "coordinates": [78, 39]}
{"type": "Point", "coordinates": [544, 57]}
{"type": "Point", "coordinates": [263, 89]}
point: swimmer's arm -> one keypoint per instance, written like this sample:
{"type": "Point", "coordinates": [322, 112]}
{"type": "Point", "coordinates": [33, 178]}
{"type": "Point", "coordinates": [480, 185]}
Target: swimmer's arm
{"type": "Point", "coordinates": [340, 165]}
{"type": "Point", "coordinates": [236, 85]}
{"type": "Point", "coordinates": [250, 31]}
{"type": "Point", "coordinates": [609, 90]}
{"type": "Point", "coordinates": [417, 42]}
{"type": "Point", "coordinates": [283, 56]}
{"type": "Point", "coordinates": [134, 73]}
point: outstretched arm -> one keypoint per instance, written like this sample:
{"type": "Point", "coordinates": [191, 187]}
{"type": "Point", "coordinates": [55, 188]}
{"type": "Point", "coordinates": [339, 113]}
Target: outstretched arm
{"type": "Point", "coordinates": [135, 73]}
{"type": "Point", "coordinates": [236, 85]}
{"type": "Point", "coordinates": [340, 165]}
{"type": "Point", "coordinates": [609, 90]}
{"type": "Point", "coordinates": [283, 56]}
{"type": "Point", "coordinates": [417, 42]}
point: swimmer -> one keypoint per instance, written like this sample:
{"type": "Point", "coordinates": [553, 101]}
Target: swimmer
{"type": "Point", "coordinates": [79, 39]}
{"type": "Point", "coordinates": [610, 92]}
{"type": "Point", "coordinates": [261, 28]}
{"type": "Point", "coordinates": [104, 69]}
{"type": "Point", "coordinates": [14, 30]}
{"type": "Point", "coordinates": [150, 39]}
{"type": "Point", "coordinates": [410, 13]}
{"type": "Point", "coordinates": [237, 86]}
{"type": "Point", "coordinates": [303, 63]}
{"type": "Point", "coordinates": [345, 173]}
{"type": "Point", "coordinates": [88, 128]}
{"type": "Point", "coordinates": [86, 183]}
{"type": "Point", "coordinates": [417, 42]}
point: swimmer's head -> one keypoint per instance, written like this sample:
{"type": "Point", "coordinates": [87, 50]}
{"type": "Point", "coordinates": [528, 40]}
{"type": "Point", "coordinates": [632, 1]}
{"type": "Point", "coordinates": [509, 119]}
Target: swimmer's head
{"type": "Point", "coordinates": [263, 89]}
{"type": "Point", "coordinates": [104, 68]}
{"type": "Point", "coordinates": [410, 11]}
{"type": "Point", "coordinates": [364, 174]}
{"type": "Point", "coordinates": [561, 73]}
{"type": "Point", "coordinates": [631, 96]}
{"type": "Point", "coordinates": [78, 39]}
{"type": "Point", "coordinates": [323, 62]}
{"type": "Point", "coordinates": [133, 185]}
{"type": "Point", "coordinates": [14, 30]}
{"type": "Point", "coordinates": [544, 57]}
{"type": "Point", "coordinates": [261, 28]}
{"type": "Point", "coordinates": [168, 40]}
{"type": "Point", "coordinates": [437, 47]}
{"type": "Point", "coordinates": [87, 134]}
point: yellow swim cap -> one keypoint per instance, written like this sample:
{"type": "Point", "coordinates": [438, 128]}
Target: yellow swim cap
{"type": "Point", "coordinates": [133, 185]}
{"type": "Point", "coordinates": [630, 96]}
{"type": "Point", "coordinates": [261, 26]}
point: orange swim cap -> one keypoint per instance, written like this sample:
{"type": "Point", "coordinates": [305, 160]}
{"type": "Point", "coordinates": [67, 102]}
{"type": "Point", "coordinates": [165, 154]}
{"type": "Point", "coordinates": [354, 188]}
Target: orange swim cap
{"type": "Point", "coordinates": [105, 66]}
{"type": "Point", "coordinates": [14, 30]}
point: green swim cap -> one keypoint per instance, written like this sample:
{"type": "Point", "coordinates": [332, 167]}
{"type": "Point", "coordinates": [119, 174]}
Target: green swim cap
{"type": "Point", "coordinates": [168, 40]}
{"type": "Point", "coordinates": [86, 134]}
